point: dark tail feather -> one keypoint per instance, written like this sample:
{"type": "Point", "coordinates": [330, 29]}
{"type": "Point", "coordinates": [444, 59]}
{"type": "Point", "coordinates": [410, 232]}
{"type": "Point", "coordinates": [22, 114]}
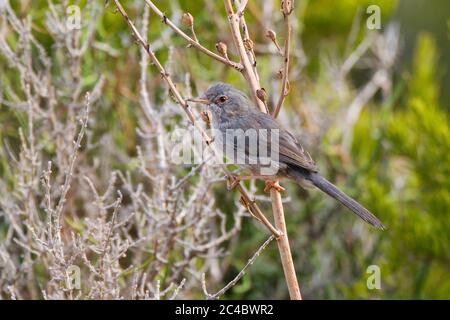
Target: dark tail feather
{"type": "Point", "coordinates": [330, 189]}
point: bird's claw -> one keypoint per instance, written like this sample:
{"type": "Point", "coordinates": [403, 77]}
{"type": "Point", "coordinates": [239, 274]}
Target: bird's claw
{"type": "Point", "coordinates": [273, 185]}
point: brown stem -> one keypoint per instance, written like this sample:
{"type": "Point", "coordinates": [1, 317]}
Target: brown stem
{"type": "Point", "coordinates": [194, 34]}
{"type": "Point", "coordinates": [285, 81]}
{"type": "Point", "coordinates": [277, 205]}
{"type": "Point", "coordinates": [191, 41]}
{"type": "Point", "coordinates": [284, 248]}
{"type": "Point", "coordinates": [250, 50]}
{"type": "Point", "coordinates": [248, 73]}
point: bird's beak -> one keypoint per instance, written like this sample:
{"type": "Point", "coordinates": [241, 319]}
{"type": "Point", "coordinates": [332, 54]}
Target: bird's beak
{"type": "Point", "coordinates": [201, 100]}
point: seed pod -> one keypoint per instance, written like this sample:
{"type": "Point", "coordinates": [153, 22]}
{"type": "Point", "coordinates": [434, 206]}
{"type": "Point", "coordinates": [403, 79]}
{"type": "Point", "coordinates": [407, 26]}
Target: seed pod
{"type": "Point", "coordinates": [287, 6]}
{"type": "Point", "coordinates": [222, 48]}
{"type": "Point", "coordinates": [187, 19]}
{"type": "Point", "coordinates": [261, 94]}
{"type": "Point", "coordinates": [271, 35]}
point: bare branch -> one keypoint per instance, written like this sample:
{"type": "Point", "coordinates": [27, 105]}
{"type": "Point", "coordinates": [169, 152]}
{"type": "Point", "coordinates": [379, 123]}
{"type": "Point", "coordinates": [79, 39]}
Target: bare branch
{"type": "Point", "coordinates": [248, 72]}
{"type": "Point", "coordinates": [238, 276]}
{"type": "Point", "coordinates": [191, 41]}
{"type": "Point", "coordinates": [286, 7]}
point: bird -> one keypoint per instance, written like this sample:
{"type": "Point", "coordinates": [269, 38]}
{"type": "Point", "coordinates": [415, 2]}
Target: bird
{"type": "Point", "coordinates": [232, 111]}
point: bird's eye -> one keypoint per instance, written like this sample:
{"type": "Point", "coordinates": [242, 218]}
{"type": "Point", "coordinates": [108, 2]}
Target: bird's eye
{"type": "Point", "coordinates": [222, 99]}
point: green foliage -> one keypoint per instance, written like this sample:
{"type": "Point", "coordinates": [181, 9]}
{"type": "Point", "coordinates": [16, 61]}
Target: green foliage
{"type": "Point", "coordinates": [409, 185]}
{"type": "Point", "coordinates": [334, 18]}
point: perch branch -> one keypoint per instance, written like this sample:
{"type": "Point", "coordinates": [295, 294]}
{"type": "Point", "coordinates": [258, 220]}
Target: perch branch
{"type": "Point", "coordinates": [277, 205]}
{"type": "Point", "coordinates": [284, 248]}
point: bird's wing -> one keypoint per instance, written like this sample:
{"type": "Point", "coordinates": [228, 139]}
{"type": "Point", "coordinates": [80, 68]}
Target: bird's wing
{"type": "Point", "coordinates": [290, 150]}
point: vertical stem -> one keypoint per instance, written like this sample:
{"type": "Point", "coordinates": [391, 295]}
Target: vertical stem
{"type": "Point", "coordinates": [277, 205]}
{"type": "Point", "coordinates": [287, 43]}
{"type": "Point", "coordinates": [245, 61]}
{"type": "Point", "coordinates": [284, 248]}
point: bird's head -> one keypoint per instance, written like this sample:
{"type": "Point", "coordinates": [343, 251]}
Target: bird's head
{"type": "Point", "coordinates": [225, 100]}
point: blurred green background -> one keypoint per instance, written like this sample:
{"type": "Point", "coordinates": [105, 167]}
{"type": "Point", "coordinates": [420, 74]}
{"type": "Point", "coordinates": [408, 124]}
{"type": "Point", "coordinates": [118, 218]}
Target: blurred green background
{"type": "Point", "coordinates": [398, 163]}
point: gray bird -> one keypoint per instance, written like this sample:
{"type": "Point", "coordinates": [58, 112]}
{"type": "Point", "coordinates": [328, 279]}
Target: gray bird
{"type": "Point", "coordinates": [232, 110]}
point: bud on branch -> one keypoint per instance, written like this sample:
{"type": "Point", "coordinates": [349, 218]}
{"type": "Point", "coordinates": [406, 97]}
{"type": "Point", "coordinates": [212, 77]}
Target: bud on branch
{"type": "Point", "coordinates": [187, 19]}
{"type": "Point", "coordinates": [222, 49]}
{"type": "Point", "coordinates": [273, 37]}
{"type": "Point", "coordinates": [287, 6]}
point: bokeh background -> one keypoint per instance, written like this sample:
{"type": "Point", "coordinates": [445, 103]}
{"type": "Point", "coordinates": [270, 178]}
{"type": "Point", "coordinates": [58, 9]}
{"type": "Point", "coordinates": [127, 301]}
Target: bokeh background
{"type": "Point", "coordinates": [371, 106]}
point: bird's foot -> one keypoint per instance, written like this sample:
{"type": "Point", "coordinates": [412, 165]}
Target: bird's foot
{"type": "Point", "coordinates": [273, 185]}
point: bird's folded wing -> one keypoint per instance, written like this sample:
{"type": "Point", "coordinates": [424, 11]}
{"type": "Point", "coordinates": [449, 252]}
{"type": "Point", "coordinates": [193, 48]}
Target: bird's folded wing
{"type": "Point", "coordinates": [290, 151]}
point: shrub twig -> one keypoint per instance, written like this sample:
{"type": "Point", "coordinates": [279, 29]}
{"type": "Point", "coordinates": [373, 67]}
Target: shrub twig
{"type": "Point", "coordinates": [238, 276]}
{"type": "Point", "coordinates": [191, 41]}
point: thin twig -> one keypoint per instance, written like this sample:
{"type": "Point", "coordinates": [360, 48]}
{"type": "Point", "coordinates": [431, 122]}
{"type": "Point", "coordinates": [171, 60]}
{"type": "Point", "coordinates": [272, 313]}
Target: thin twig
{"type": "Point", "coordinates": [273, 37]}
{"type": "Point", "coordinates": [238, 276]}
{"type": "Point", "coordinates": [69, 174]}
{"type": "Point", "coordinates": [191, 41]}
{"type": "Point", "coordinates": [287, 7]}
{"type": "Point", "coordinates": [177, 289]}
{"type": "Point", "coordinates": [241, 7]}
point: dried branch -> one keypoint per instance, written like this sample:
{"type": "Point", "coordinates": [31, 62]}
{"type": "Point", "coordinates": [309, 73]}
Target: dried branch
{"type": "Point", "coordinates": [69, 174]}
{"type": "Point", "coordinates": [286, 7]}
{"type": "Point", "coordinates": [191, 41]}
{"type": "Point", "coordinates": [233, 282]}
{"type": "Point", "coordinates": [248, 43]}
{"type": "Point", "coordinates": [248, 72]}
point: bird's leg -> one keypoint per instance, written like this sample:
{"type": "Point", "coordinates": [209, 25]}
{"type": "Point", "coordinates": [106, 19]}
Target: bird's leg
{"type": "Point", "coordinates": [273, 184]}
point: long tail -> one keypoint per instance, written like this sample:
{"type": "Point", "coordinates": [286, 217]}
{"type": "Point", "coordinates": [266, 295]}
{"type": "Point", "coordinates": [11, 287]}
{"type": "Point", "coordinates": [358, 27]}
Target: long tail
{"type": "Point", "coordinates": [330, 189]}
